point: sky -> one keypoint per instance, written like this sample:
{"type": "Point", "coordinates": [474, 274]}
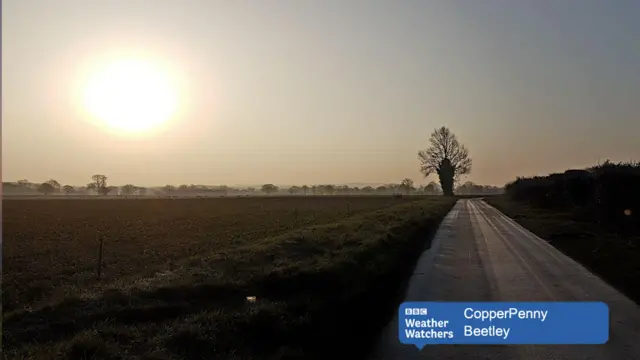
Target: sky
{"type": "Point", "coordinates": [311, 92]}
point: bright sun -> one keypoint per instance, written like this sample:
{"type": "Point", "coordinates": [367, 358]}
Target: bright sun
{"type": "Point", "coordinates": [131, 96]}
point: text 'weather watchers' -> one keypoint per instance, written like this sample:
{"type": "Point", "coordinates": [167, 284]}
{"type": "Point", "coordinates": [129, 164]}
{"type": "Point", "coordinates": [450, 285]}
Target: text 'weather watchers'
{"type": "Point", "coordinates": [470, 313]}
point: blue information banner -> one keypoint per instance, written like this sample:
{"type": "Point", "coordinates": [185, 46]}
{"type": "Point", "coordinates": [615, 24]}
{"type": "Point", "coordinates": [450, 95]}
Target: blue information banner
{"type": "Point", "coordinates": [502, 323]}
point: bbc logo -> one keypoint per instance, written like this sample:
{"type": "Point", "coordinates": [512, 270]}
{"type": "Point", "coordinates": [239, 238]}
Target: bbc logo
{"type": "Point", "coordinates": [415, 311]}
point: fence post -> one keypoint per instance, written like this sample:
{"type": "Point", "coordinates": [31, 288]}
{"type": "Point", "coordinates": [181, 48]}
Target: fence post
{"type": "Point", "coordinates": [99, 270]}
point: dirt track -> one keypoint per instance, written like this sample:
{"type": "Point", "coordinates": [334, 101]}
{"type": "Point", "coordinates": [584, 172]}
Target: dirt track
{"type": "Point", "coordinates": [479, 254]}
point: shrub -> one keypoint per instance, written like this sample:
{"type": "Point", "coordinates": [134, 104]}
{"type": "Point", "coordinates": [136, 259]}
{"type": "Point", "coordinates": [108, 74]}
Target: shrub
{"type": "Point", "coordinates": [610, 191]}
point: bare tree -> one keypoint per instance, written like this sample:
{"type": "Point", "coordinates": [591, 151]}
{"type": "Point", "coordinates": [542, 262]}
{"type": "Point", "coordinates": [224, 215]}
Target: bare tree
{"type": "Point", "coordinates": [407, 185]}
{"type": "Point", "coordinates": [445, 157]}
{"type": "Point", "coordinates": [55, 184]}
{"type": "Point", "coordinates": [100, 184]}
{"type": "Point", "coordinates": [68, 189]}
{"type": "Point", "coordinates": [99, 180]}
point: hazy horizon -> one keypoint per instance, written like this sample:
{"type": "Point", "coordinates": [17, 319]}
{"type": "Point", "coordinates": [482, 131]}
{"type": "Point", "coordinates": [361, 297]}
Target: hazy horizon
{"type": "Point", "coordinates": [322, 92]}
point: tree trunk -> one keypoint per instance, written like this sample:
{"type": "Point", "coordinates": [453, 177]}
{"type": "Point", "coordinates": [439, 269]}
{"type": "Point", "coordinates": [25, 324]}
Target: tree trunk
{"type": "Point", "coordinates": [446, 175]}
{"type": "Point", "coordinates": [447, 187]}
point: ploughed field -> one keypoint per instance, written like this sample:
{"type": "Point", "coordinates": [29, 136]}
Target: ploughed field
{"type": "Point", "coordinates": [227, 278]}
{"type": "Point", "coordinates": [51, 246]}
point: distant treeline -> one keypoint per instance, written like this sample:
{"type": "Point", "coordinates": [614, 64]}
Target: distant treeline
{"type": "Point", "coordinates": [470, 188]}
{"type": "Point", "coordinates": [100, 187]}
{"type": "Point", "coordinates": [610, 190]}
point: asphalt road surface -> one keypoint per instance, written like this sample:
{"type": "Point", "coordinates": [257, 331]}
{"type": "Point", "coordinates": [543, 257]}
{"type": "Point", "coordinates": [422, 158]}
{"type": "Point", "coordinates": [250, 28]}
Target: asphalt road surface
{"type": "Point", "coordinates": [479, 254]}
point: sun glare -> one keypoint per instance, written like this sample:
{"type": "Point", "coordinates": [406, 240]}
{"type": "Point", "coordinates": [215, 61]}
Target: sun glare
{"type": "Point", "coordinates": [131, 96]}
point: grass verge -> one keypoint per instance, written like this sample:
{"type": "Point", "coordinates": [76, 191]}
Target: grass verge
{"type": "Point", "coordinates": [613, 257]}
{"type": "Point", "coordinates": [321, 292]}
